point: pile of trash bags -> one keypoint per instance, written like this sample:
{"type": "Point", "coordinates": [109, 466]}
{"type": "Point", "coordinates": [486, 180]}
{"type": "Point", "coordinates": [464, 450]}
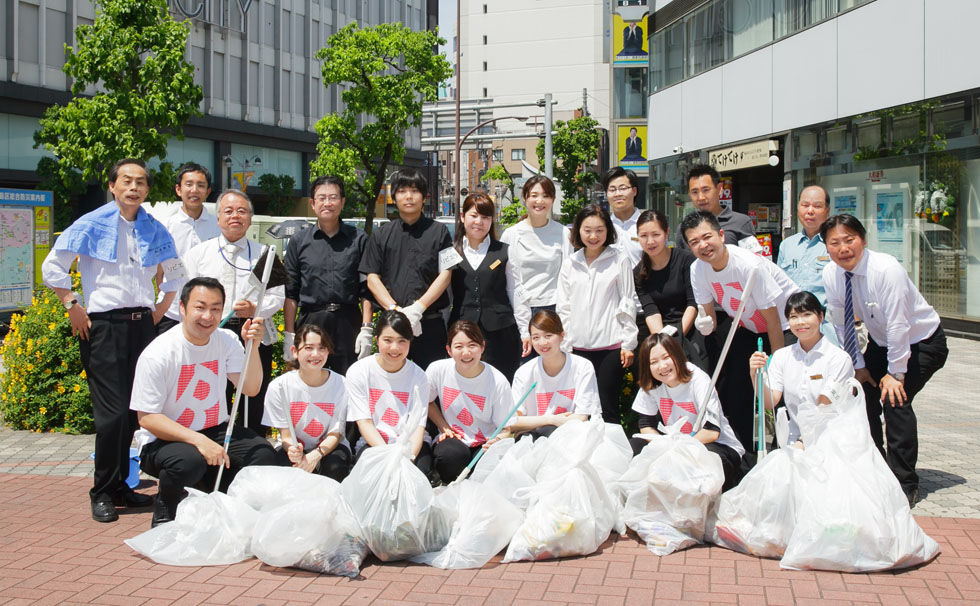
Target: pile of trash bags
{"type": "Point", "coordinates": [833, 506]}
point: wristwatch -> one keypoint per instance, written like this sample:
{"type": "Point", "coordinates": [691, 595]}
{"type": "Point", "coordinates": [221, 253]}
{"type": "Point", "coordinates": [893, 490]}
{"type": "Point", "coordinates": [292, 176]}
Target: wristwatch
{"type": "Point", "coordinates": [71, 302]}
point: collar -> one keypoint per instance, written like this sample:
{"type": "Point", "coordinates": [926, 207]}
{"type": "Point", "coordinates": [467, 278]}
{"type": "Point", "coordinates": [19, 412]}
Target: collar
{"type": "Point", "coordinates": [579, 255]}
{"type": "Point", "coordinates": [726, 212]}
{"type": "Point", "coordinates": [628, 222]}
{"type": "Point", "coordinates": [183, 216]}
{"type": "Point", "coordinates": [420, 224]}
{"type": "Point", "coordinates": [808, 240]}
{"type": "Point", "coordinates": [319, 233]}
{"type": "Point", "coordinates": [861, 269]}
{"type": "Point", "coordinates": [482, 247]}
{"type": "Point", "coordinates": [241, 243]}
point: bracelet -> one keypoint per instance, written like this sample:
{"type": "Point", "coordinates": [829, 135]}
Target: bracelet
{"type": "Point", "coordinates": [322, 454]}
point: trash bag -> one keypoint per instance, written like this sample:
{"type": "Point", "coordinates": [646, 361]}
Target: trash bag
{"type": "Point", "coordinates": [491, 458]}
{"type": "Point", "coordinates": [208, 530]}
{"type": "Point", "coordinates": [852, 515]}
{"type": "Point", "coordinates": [392, 500]}
{"type": "Point", "coordinates": [484, 523]}
{"type": "Point", "coordinates": [613, 455]}
{"type": "Point", "coordinates": [757, 517]}
{"type": "Point", "coordinates": [668, 490]}
{"type": "Point", "coordinates": [267, 487]}
{"type": "Point", "coordinates": [510, 474]}
{"type": "Point", "coordinates": [570, 511]}
{"type": "Point", "coordinates": [341, 558]}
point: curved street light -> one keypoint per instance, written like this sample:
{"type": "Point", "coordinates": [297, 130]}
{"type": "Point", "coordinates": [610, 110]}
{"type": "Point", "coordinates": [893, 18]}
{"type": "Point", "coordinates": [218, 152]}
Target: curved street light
{"type": "Point", "coordinates": [459, 148]}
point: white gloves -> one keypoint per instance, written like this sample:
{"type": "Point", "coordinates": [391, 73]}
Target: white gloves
{"type": "Point", "coordinates": [669, 330]}
{"type": "Point", "coordinates": [363, 342]}
{"type": "Point", "coordinates": [704, 323]}
{"type": "Point", "coordinates": [414, 314]}
{"type": "Point", "coordinates": [287, 346]}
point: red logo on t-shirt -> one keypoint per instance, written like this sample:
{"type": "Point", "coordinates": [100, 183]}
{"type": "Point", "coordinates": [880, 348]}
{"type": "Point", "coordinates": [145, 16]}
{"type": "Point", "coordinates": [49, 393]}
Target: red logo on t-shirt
{"type": "Point", "coordinates": [449, 396]}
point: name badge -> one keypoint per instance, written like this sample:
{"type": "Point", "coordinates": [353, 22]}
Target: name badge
{"type": "Point", "coordinates": [495, 264]}
{"type": "Point", "coordinates": [634, 238]}
{"type": "Point", "coordinates": [816, 377]}
{"type": "Point", "coordinates": [173, 269]}
{"type": "Point", "coordinates": [449, 258]}
{"type": "Point", "coordinates": [823, 258]}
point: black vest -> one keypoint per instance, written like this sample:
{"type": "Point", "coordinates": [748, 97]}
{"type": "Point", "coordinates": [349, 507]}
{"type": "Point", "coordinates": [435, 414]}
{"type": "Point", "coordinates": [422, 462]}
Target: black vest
{"type": "Point", "coordinates": [480, 295]}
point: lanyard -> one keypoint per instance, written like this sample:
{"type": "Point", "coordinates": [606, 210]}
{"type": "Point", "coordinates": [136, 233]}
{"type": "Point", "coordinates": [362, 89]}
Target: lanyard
{"type": "Point", "coordinates": [249, 268]}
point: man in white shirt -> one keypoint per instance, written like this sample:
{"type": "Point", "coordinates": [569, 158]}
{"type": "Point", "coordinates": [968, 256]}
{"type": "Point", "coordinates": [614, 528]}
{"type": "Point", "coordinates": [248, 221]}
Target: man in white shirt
{"type": "Point", "coordinates": [120, 250]}
{"type": "Point", "coordinates": [720, 276]}
{"type": "Point", "coordinates": [179, 397]}
{"type": "Point", "coordinates": [190, 225]}
{"type": "Point", "coordinates": [621, 187]}
{"type": "Point", "coordinates": [230, 258]}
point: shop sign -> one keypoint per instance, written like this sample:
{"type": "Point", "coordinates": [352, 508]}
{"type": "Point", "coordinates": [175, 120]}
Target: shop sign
{"type": "Point", "coordinates": [725, 197]}
{"type": "Point", "coordinates": [742, 156]}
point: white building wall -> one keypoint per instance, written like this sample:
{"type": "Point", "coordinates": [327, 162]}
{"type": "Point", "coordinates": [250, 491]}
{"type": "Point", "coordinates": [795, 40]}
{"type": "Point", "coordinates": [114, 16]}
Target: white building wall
{"type": "Point", "coordinates": [882, 54]}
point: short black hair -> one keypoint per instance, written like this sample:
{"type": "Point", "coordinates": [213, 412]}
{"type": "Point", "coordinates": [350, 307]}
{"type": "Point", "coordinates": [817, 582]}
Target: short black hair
{"type": "Point", "coordinates": [846, 221]}
{"type": "Point", "coordinates": [193, 167]}
{"type": "Point", "coordinates": [409, 177]}
{"type": "Point", "coordinates": [697, 218]}
{"type": "Point", "coordinates": [398, 322]}
{"type": "Point", "coordinates": [327, 180]}
{"type": "Point", "coordinates": [209, 283]}
{"type": "Point", "coordinates": [617, 172]}
{"type": "Point", "coordinates": [592, 210]}
{"type": "Point", "coordinates": [114, 171]}
{"type": "Point", "coordinates": [700, 170]}
{"type": "Point", "coordinates": [802, 301]}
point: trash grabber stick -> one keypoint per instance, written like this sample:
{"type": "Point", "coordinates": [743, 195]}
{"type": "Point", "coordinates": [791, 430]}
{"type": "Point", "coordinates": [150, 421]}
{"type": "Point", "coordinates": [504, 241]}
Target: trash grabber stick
{"type": "Point", "coordinates": [699, 423]}
{"type": "Point", "coordinates": [476, 459]}
{"type": "Point", "coordinates": [760, 411]}
{"type": "Point", "coordinates": [248, 355]}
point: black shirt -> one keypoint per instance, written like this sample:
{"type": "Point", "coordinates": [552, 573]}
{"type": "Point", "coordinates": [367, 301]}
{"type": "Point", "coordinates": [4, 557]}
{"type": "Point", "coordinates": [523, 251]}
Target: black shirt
{"type": "Point", "coordinates": [737, 227]}
{"type": "Point", "coordinates": [667, 291]}
{"type": "Point", "coordinates": [324, 269]}
{"type": "Point", "coordinates": [407, 259]}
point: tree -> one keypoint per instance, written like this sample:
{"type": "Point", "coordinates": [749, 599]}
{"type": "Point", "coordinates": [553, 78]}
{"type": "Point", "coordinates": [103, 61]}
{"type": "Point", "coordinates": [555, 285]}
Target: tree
{"type": "Point", "coordinates": [499, 174]}
{"type": "Point", "coordinates": [575, 146]}
{"type": "Point", "coordinates": [386, 73]}
{"type": "Point", "coordinates": [279, 188]}
{"type": "Point", "coordinates": [134, 55]}
{"type": "Point", "coordinates": [164, 181]}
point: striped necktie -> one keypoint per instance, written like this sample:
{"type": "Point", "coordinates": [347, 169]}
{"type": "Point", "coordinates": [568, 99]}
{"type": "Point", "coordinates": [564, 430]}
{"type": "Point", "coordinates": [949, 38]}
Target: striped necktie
{"type": "Point", "coordinates": [850, 334]}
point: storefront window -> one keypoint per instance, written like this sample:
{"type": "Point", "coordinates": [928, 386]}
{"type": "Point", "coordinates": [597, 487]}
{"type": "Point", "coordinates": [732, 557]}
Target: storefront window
{"type": "Point", "coordinates": [630, 92]}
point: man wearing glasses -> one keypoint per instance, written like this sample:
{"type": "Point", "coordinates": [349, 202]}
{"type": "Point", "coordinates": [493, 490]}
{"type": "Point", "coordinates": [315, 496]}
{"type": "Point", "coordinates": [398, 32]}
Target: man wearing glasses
{"type": "Point", "coordinates": [621, 189]}
{"type": "Point", "coordinates": [324, 282]}
{"type": "Point", "coordinates": [230, 258]}
{"type": "Point", "coordinates": [704, 187]}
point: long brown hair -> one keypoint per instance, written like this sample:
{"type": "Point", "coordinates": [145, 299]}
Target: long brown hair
{"type": "Point", "coordinates": [301, 334]}
{"type": "Point", "coordinates": [646, 265]}
{"type": "Point", "coordinates": [674, 350]}
{"type": "Point", "coordinates": [484, 206]}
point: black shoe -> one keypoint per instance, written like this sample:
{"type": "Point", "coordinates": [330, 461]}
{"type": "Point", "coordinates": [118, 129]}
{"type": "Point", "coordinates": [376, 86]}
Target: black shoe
{"type": "Point", "coordinates": [913, 497]}
{"type": "Point", "coordinates": [160, 514]}
{"type": "Point", "coordinates": [104, 511]}
{"type": "Point", "coordinates": [127, 497]}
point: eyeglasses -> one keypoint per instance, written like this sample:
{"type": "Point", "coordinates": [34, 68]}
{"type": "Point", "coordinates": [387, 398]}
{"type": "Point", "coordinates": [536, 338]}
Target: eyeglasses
{"type": "Point", "coordinates": [241, 212]}
{"type": "Point", "coordinates": [622, 189]}
{"type": "Point", "coordinates": [331, 198]}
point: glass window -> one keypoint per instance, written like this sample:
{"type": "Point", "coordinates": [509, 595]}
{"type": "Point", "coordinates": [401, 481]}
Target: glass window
{"type": "Point", "coordinates": [518, 154]}
{"type": "Point", "coordinates": [498, 155]}
{"type": "Point", "coordinates": [667, 62]}
{"type": "Point", "coordinates": [869, 133]}
{"type": "Point", "coordinates": [630, 92]}
{"type": "Point", "coordinates": [905, 129]}
{"type": "Point", "coordinates": [793, 15]}
{"type": "Point", "coordinates": [55, 24]}
{"type": "Point", "coordinates": [837, 139]}
{"type": "Point", "coordinates": [750, 25]}
{"type": "Point", "coordinates": [29, 22]}
{"type": "Point", "coordinates": [951, 120]}
{"type": "Point", "coordinates": [706, 33]}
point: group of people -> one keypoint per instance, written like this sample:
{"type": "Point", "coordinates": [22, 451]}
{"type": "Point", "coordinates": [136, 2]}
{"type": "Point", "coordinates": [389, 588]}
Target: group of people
{"type": "Point", "coordinates": [544, 319]}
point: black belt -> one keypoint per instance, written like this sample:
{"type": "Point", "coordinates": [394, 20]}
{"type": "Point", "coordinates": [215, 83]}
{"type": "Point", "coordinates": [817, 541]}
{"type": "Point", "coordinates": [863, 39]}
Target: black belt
{"type": "Point", "coordinates": [312, 308]}
{"type": "Point", "coordinates": [126, 314]}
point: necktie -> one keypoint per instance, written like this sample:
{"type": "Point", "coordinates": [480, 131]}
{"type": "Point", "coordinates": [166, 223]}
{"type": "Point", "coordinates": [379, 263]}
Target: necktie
{"type": "Point", "coordinates": [229, 276]}
{"type": "Point", "coordinates": [850, 334]}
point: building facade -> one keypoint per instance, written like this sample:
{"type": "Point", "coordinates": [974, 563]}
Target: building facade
{"type": "Point", "coordinates": [871, 99]}
{"type": "Point", "coordinates": [262, 85]}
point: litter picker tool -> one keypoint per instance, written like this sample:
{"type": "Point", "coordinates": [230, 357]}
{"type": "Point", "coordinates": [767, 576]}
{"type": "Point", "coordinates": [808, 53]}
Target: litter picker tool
{"type": "Point", "coordinates": [699, 422]}
{"type": "Point", "coordinates": [466, 472]}
{"type": "Point", "coordinates": [278, 277]}
{"type": "Point", "coordinates": [266, 272]}
{"type": "Point", "coordinates": [760, 411]}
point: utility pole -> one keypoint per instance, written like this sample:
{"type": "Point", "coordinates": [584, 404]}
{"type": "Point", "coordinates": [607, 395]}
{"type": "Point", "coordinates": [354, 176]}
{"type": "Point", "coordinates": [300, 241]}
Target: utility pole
{"type": "Point", "coordinates": [549, 158]}
{"type": "Point", "coordinates": [454, 205]}
{"type": "Point", "coordinates": [585, 102]}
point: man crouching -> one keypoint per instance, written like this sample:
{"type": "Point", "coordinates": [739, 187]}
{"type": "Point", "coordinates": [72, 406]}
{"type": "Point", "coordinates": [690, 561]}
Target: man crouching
{"type": "Point", "coordinates": [179, 397]}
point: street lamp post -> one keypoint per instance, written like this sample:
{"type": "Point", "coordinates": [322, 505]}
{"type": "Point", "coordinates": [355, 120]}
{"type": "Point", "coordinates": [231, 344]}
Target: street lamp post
{"type": "Point", "coordinates": [459, 147]}
{"type": "Point", "coordinates": [245, 164]}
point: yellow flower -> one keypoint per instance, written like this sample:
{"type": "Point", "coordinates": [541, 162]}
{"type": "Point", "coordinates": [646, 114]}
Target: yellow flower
{"type": "Point", "coordinates": [30, 367]}
{"type": "Point", "coordinates": [83, 375]}
{"type": "Point", "coordinates": [47, 301]}
{"type": "Point", "coordinates": [77, 388]}
{"type": "Point", "coordinates": [51, 326]}
{"type": "Point", "coordinates": [66, 314]}
{"type": "Point", "coordinates": [43, 410]}
{"type": "Point", "coordinates": [274, 365]}
{"type": "Point", "coordinates": [64, 364]}
{"type": "Point", "coordinates": [61, 388]}
{"type": "Point", "coordinates": [282, 327]}
{"type": "Point", "coordinates": [47, 371]}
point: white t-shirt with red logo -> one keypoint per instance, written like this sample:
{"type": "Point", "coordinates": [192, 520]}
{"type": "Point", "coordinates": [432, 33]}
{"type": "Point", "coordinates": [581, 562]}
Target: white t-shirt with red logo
{"type": "Point", "coordinates": [185, 382]}
{"type": "Point", "coordinates": [384, 397]}
{"type": "Point", "coordinates": [573, 389]}
{"type": "Point", "coordinates": [314, 412]}
{"type": "Point", "coordinates": [681, 403]}
{"type": "Point", "coordinates": [473, 407]}
{"type": "Point", "coordinates": [771, 289]}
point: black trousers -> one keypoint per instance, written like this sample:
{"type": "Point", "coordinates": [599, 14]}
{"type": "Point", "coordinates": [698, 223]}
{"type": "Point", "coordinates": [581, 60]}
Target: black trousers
{"type": "Point", "coordinates": [609, 373]}
{"type": "Point", "coordinates": [735, 383]}
{"type": "Point", "coordinates": [503, 350]}
{"type": "Point", "coordinates": [335, 465]}
{"type": "Point", "coordinates": [177, 464]}
{"type": "Point", "coordinates": [165, 324]}
{"type": "Point", "coordinates": [342, 327]}
{"type": "Point", "coordinates": [451, 456]}
{"type": "Point", "coordinates": [431, 344]}
{"type": "Point", "coordinates": [731, 463]}
{"type": "Point", "coordinates": [109, 358]}
{"type": "Point", "coordinates": [901, 428]}
{"type": "Point", "coordinates": [256, 403]}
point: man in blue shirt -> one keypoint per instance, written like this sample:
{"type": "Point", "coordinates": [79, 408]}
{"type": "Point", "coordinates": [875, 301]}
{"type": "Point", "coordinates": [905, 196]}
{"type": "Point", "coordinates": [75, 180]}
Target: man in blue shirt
{"type": "Point", "coordinates": [804, 255]}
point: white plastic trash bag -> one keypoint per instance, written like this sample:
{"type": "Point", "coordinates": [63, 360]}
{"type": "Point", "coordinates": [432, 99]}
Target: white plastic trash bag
{"type": "Point", "coordinates": [268, 487]}
{"type": "Point", "coordinates": [484, 523]}
{"type": "Point", "coordinates": [668, 489]}
{"type": "Point", "coordinates": [852, 515]}
{"type": "Point", "coordinates": [612, 457]}
{"type": "Point", "coordinates": [208, 530]}
{"type": "Point", "coordinates": [490, 459]}
{"type": "Point", "coordinates": [757, 517]}
{"type": "Point", "coordinates": [510, 476]}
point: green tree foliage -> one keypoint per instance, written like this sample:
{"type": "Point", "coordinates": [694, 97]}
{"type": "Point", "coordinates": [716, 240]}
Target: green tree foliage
{"type": "Point", "coordinates": [498, 173]}
{"type": "Point", "coordinates": [164, 183]}
{"type": "Point", "coordinates": [511, 214]}
{"type": "Point", "coordinates": [575, 147]}
{"type": "Point", "coordinates": [279, 188]}
{"type": "Point", "coordinates": [134, 55]}
{"type": "Point", "coordinates": [63, 184]}
{"type": "Point", "coordinates": [386, 73]}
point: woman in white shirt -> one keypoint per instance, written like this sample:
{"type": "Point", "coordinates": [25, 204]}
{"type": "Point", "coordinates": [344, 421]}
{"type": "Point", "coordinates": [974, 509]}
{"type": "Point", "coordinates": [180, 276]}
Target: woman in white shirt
{"type": "Point", "coordinates": [307, 405]}
{"type": "Point", "coordinates": [468, 400]}
{"type": "Point", "coordinates": [672, 390]}
{"type": "Point", "coordinates": [566, 384]}
{"type": "Point", "coordinates": [595, 303]}
{"type": "Point", "coordinates": [799, 372]}
{"type": "Point", "coordinates": [538, 245]}
{"type": "Point", "coordinates": [381, 388]}
{"type": "Point", "coordinates": [483, 284]}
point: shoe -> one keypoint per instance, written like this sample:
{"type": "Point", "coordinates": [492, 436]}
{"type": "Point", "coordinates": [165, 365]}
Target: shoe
{"type": "Point", "coordinates": [130, 498]}
{"type": "Point", "coordinates": [160, 514]}
{"type": "Point", "coordinates": [913, 497]}
{"type": "Point", "coordinates": [104, 511]}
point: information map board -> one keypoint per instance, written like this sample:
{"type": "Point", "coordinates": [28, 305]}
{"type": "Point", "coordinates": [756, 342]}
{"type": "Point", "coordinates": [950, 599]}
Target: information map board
{"type": "Point", "coordinates": [25, 238]}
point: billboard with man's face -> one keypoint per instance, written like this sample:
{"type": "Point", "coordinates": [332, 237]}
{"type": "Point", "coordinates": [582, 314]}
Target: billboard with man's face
{"type": "Point", "coordinates": [630, 45]}
{"type": "Point", "coordinates": [632, 146]}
